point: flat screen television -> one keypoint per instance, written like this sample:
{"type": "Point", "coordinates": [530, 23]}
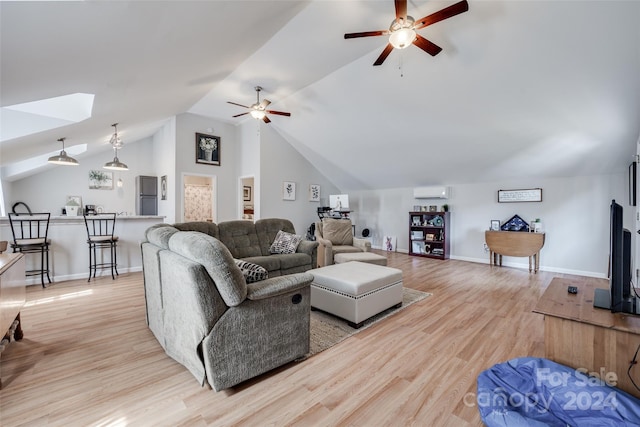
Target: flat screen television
{"type": "Point", "coordinates": [618, 298]}
{"type": "Point", "coordinates": [339, 202]}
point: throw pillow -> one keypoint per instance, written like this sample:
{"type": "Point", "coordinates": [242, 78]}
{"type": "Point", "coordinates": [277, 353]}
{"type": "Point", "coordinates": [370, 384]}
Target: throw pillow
{"type": "Point", "coordinates": [285, 243]}
{"type": "Point", "coordinates": [337, 231]}
{"type": "Point", "coordinates": [252, 272]}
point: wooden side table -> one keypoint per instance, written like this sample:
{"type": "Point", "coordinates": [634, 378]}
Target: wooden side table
{"type": "Point", "coordinates": [12, 297]}
{"type": "Point", "coordinates": [580, 336]}
{"type": "Point", "coordinates": [515, 243]}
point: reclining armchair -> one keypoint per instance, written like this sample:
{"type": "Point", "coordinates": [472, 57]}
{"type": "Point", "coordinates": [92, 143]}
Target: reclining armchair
{"type": "Point", "coordinates": [220, 328]}
{"type": "Point", "coordinates": [335, 236]}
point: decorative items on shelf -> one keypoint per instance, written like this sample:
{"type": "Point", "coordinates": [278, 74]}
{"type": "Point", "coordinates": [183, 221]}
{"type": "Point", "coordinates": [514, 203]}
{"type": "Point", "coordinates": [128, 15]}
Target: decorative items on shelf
{"type": "Point", "coordinates": [515, 223]}
{"type": "Point", "coordinates": [428, 233]}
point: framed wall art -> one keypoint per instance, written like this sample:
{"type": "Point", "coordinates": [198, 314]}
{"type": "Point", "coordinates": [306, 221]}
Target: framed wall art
{"type": "Point", "coordinates": [633, 179]}
{"type": "Point", "coordinates": [163, 187]}
{"type": "Point", "coordinates": [100, 180]}
{"type": "Point", "coordinates": [525, 195]}
{"type": "Point", "coordinates": [208, 149]}
{"type": "Point", "coordinates": [288, 190]}
{"type": "Point", "coordinates": [246, 193]}
{"type": "Point", "coordinates": [314, 193]}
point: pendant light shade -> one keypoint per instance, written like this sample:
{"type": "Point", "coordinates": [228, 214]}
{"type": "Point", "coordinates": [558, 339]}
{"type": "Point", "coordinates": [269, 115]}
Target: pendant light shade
{"type": "Point", "coordinates": [116, 164]}
{"type": "Point", "coordinates": [63, 158]}
{"type": "Point", "coordinates": [116, 142]}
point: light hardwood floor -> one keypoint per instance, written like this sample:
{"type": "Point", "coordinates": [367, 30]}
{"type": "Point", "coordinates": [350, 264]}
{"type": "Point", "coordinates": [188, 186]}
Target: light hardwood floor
{"type": "Point", "coordinates": [88, 358]}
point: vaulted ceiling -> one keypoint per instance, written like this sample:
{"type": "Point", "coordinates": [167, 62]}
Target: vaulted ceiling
{"type": "Point", "coordinates": [520, 89]}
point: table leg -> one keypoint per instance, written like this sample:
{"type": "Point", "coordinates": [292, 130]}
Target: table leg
{"type": "Point", "coordinates": [18, 334]}
{"type": "Point", "coordinates": [530, 263]}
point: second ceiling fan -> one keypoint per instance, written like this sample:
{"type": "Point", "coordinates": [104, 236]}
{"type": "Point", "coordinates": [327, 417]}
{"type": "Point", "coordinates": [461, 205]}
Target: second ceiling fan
{"type": "Point", "coordinates": [402, 31]}
{"type": "Point", "coordinates": [259, 109]}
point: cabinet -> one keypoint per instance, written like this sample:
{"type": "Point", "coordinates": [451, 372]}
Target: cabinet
{"type": "Point", "coordinates": [146, 195]}
{"type": "Point", "coordinates": [429, 234]}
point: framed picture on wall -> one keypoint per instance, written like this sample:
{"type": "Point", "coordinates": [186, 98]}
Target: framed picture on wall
{"type": "Point", "coordinates": [246, 193]}
{"type": "Point", "coordinates": [288, 190]}
{"type": "Point", "coordinates": [163, 187]}
{"type": "Point", "coordinates": [100, 180]}
{"type": "Point", "coordinates": [314, 193]}
{"type": "Point", "coordinates": [208, 149]}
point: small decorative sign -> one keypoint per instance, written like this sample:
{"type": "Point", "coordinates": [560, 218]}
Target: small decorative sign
{"type": "Point", "coordinates": [525, 195]}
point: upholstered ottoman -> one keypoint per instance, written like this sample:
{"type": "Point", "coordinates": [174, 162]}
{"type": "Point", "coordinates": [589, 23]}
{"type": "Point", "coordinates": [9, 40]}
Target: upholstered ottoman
{"type": "Point", "coordinates": [355, 291]}
{"type": "Point", "coordinates": [369, 257]}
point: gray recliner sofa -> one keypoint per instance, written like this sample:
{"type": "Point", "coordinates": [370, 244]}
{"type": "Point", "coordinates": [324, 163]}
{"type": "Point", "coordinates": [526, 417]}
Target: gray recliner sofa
{"type": "Point", "coordinates": [251, 241]}
{"type": "Point", "coordinates": [206, 317]}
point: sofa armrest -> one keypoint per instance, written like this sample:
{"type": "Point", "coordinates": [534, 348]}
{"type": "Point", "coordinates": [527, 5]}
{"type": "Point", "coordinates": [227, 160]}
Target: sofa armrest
{"type": "Point", "coordinates": [278, 285]}
{"type": "Point", "coordinates": [325, 251]}
{"type": "Point", "coordinates": [363, 244]}
{"type": "Point", "coordinates": [309, 247]}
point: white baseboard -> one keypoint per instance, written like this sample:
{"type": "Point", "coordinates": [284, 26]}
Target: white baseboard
{"type": "Point", "coordinates": [541, 268]}
{"type": "Point", "coordinates": [35, 280]}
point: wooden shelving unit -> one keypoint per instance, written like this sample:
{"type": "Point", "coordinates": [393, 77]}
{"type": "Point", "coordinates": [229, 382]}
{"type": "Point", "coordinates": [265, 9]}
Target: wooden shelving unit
{"type": "Point", "coordinates": [429, 234]}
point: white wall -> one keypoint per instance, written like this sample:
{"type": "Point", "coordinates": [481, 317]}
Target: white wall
{"type": "Point", "coordinates": [47, 191]}
{"type": "Point", "coordinates": [574, 213]}
{"type": "Point", "coordinates": [187, 125]}
{"type": "Point", "coordinates": [249, 161]}
{"type": "Point", "coordinates": [164, 154]}
{"type": "Point", "coordinates": [280, 162]}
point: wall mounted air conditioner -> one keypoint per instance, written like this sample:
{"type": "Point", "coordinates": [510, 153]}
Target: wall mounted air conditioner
{"type": "Point", "coordinates": [433, 192]}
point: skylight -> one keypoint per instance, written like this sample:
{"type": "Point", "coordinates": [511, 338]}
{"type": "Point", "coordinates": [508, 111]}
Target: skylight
{"type": "Point", "coordinates": [38, 116]}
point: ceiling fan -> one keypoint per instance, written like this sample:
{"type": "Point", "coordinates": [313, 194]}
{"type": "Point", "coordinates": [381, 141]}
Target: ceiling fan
{"type": "Point", "coordinates": [402, 31]}
{"type": "Point", "coordinates": [259, 109]}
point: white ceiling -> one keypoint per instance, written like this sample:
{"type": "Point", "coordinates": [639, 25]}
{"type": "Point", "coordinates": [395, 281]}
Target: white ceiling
{"type": "Point", "coordinates": [521, 88]}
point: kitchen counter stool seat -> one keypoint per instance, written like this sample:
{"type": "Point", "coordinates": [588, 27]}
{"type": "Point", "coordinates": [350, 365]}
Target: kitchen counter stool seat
{"type": "Point", "coordinates": [30, 237]}
{"type": "Point", "coordinates": [100, 229]}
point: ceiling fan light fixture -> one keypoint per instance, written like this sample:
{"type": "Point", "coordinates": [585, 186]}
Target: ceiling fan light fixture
{"type": "Point", "coordinates": [63, 158]}
{"type": "Point", "coordinates": [257, 114]}
{"type": "Point", "coordinates": [402, 37]}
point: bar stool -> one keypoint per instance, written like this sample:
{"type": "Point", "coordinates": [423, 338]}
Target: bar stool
{"type": "Point", "coordinates": [100, 230]}
{"type": "Point", "coordinates": [30, 237]}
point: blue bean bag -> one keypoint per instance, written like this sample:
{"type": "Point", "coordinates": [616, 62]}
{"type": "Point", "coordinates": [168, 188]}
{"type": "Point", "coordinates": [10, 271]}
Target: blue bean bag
{"type": "Point", "coordinates": [536, 392]}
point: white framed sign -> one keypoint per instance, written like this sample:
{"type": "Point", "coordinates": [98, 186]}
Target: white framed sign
{"type": "Point", "coordinates": [525, 195]}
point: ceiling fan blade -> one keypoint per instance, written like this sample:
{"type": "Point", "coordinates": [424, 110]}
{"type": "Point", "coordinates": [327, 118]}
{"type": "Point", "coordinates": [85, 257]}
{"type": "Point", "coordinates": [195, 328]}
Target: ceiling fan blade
{"type": "Point", "coordinates": [264, 104]}
{"type": "Point", "coordinates": [387, 50]}
{"type": "Point", "coordinates": [280, 113]}
{"type": "Point", "coordinates": [401, 9]}
{"type": "Point", "coordinates": [239, 105]}
{"type": "Point", "coordinates": [366, 34]}
{"type": "Point", "coordinates": [426, 45]}
{"type": "Point", "coordinates": [266, 119]}
{"type": "Point", "coordinates": [445, 13]}
{"type": "Point", "coordinates": [241, 114]}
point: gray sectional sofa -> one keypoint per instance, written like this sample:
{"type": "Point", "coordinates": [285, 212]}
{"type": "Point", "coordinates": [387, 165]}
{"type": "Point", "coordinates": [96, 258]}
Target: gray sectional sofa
{"type": "Point", "coordinates": [251, 241]}
{"type": "Point", "coordinates": [205, 315]}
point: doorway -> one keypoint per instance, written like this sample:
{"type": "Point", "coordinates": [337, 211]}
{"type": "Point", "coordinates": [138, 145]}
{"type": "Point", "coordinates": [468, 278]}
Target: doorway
{"type": "Point", "coordinates": [248, 197]}
{"type": "Point", "coordinates": [199, 198]}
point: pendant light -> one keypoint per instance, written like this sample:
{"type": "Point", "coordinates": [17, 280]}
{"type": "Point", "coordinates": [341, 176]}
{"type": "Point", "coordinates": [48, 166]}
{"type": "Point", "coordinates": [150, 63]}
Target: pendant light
{"type": "Point", "coordinates": [63, 158]}
{"type": "Point", "coordinates": [116, 142]}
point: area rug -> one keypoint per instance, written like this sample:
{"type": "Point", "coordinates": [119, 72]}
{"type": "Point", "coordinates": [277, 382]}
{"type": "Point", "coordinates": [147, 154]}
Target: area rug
{"type": "Point", "coordinates": [328, 330]}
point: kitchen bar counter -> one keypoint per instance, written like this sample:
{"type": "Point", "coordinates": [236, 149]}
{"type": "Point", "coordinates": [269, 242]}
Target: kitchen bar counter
{"type": "Point", "coordinates": [69, 252]}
